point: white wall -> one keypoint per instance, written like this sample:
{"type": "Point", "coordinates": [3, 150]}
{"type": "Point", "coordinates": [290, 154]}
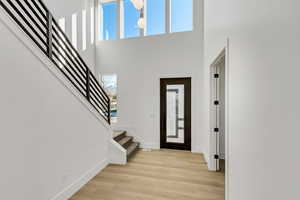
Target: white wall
{"type": "Point", "coordinates": [65, 9]}
{"type": "Point", "coordinates": [50, 142]}
{"type": "Point", "coordinates": [140, 63]}
{"type": "Point", "coordinates": [263, 93]}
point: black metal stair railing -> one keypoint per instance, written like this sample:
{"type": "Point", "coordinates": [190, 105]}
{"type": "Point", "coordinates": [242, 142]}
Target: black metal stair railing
{"type": "Point", "coordinates": [35, 19]}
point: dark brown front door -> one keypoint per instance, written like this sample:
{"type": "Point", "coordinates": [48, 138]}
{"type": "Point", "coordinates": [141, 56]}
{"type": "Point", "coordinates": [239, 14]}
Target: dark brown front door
{"type": "Point", "coordinates": [175, 113]}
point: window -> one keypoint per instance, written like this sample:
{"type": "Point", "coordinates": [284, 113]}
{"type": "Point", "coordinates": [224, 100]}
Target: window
{"type": "Point", "coordinates": [109, 21]}
{"type": "Point", "coordinates": [156, 17]}
{"type": "Point", "coordinates": [135, 18]}
{"type": "Point", "coordinates": [131, 17]}
{"type": "Point", "coordinates": [74, 30]}
{"type": "Point", "coordinates": [62, 25]}
{"type": "Point", "coordinates": [181, 15]}
{"type": "Point", "coordinates": [110, 87]}
{"type": "Point", "coordinates": [92, 25]}
{"type": "Point", "coordinates": [84, 30]}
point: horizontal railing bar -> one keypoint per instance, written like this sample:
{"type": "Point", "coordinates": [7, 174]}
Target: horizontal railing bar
{"type": "Point", "coordinates": [23, 27]}
{"type": "Point", "coordinates": [94, 80]}
{"type": "Point", "coordinates": [65, 53]}
{"type": "Point", "coordinates": [104, 112]}
{"type": "Point", "coordinates": [26, 22]}
{"type": "Point", "coordinates": [99, 96]}
{"type": "Point", "coordinates": [96, 103]}
{"type": "Point", "coordinates": [103, 106]}
{"type": "Point", "coordinates": [67, 69]}
{"type": "Point", "coordinates": [79, 76]}
{"type": "Point", "coordinates": [98, 84]}
{"type": "Point", "coordinates": [57, 65]}
{"type": "Point", "coordinates": [74, 50]}
{"type": "Point", "coordinates": [96, 87]}
{"type": "Point", "coordinates": [96, 93]}
{"type": "Point", "coordinates": [66, 45]}
{"type": "Point", "coordinates": [103, 116]}
{"type": "Point", "coordinates": [39, 9]}
{"type": "Point", "coordinates": [43, 5]}
{"type": "Point", "coordinates": [32, 19]}
{"type": "Point", "coordinates": [36, 14]}
{"type": "Point", "coordinates": [62, 48]}
{"type": "Point", "coordinates": [105, 103]}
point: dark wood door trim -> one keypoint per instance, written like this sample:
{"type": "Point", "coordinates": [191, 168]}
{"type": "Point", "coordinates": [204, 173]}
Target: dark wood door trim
{"type": "Point", "coordinates": [187, 113]}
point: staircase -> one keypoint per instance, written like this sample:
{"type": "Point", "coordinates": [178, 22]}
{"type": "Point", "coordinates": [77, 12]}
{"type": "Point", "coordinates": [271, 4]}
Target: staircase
{"type": "Point", "coordinates": [38, 24]}
{"type": "Point", "coordinates": [126, 142]}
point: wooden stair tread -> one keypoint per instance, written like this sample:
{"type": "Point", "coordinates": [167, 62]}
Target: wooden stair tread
{"type": "Point", "coordinates": [132, 147]}
{"type": "Point", "coordinates": [118, 133]}
{"type": "Point", "coordinates": [125, 140]}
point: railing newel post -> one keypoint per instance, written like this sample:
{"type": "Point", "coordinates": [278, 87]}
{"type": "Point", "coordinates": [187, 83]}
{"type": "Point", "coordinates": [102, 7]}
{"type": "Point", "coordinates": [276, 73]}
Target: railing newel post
{"type": "Point", "coordinates": [88, 84]}
{"type": "Point", "coordinates": [108, 111]}
{"type": "Point", "coordinates": [49, 34]}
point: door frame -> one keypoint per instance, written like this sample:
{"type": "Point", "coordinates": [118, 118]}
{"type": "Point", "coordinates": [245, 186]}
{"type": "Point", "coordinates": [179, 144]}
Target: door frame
{"type": "Point", "coordinates": [187, 81]}
{"type": "Point", "coordinates": [212, 144]}
{"type": "Point", "coordinates": [215, 103]}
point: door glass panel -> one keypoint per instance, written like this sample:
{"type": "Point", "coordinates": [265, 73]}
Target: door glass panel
{"type": "Point", "coordinates": [175, 113]}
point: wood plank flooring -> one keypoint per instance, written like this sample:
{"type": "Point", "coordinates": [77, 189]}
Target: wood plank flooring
{"type": "Point", "coordinates": [156, 175]}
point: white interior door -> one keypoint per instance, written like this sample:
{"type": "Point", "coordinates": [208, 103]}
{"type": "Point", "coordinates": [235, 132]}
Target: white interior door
{"type": "Point", "coordinates": [218, 114]}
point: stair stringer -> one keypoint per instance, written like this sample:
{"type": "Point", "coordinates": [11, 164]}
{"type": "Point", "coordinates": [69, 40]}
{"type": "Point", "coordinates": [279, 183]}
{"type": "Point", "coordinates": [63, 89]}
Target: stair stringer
{"type": "Point", "coordinates": [117, 154]}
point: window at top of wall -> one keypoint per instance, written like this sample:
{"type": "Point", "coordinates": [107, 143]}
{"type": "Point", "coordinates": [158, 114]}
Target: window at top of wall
{"type": "Point", "coordinates": [156, 17]}
{"type": "Point", "coordinates": [74, 30]}
{"type": "Point", "coordinates": [181, 15]}
{"type": "Point", "coordinates": [131, 17]}
{"type": "Point", "coordinates": [92, 25]}
{"type": "Point", "coordinates": [62, 24]}
{"type": "Point", "coordinates": [108, 21]}
{"type": "Point", "coordinates": [84, 30]}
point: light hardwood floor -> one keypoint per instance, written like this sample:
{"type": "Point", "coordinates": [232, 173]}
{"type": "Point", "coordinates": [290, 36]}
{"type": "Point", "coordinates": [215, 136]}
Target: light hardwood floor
{"type": "Point", "coordinates": [156, 175]}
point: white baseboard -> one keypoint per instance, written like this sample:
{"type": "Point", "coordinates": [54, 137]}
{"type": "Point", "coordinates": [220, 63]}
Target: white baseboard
{"type": "Point", "coordinates": [69, 191]}
{"type": "Point", "coordinates": [206, 158]}
{"type": "Point", "coordinates": [154, 146]}
{"type": "Point", "coordinates": [196, 150]}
